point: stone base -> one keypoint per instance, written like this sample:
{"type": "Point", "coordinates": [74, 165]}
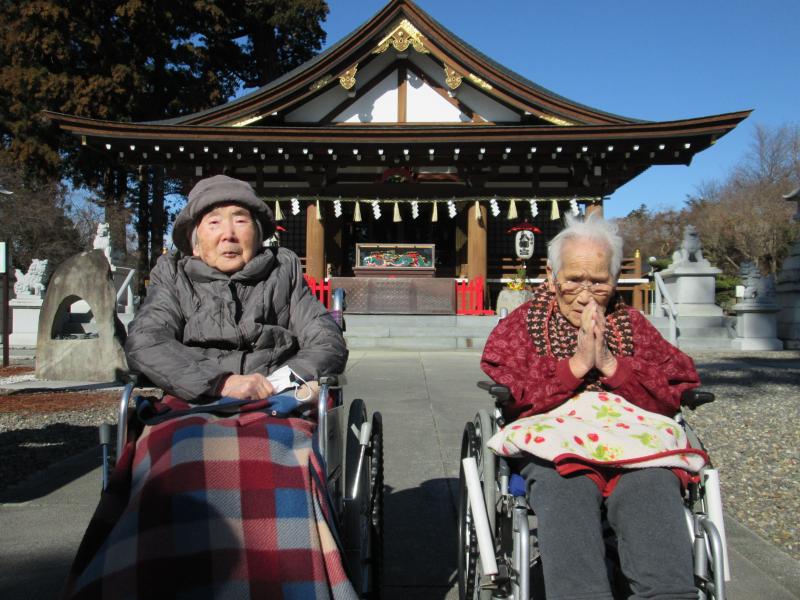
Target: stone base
{"type": "Point", "coordinates": [698, 310]}
{"type": "Point", "coordinates": [512, 299]}
{"type": "Point", "coordinates": [757, 344]}
{"type": "Point", "coordinates": [692, 289]}
{"type": "Point", "coordinates": [24, 321]}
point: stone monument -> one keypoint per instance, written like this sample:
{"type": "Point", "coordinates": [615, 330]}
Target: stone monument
{"type": "Point", "coordinates": [756, 324]}
{"type": "Point", "coordinates": [29, 291]}
{"type": "Point", "coordinates": [691, 280]}
{"type": "Point", "coordinates": [788, 288]}
{"type": "Point", "coordinates": [81, 349]}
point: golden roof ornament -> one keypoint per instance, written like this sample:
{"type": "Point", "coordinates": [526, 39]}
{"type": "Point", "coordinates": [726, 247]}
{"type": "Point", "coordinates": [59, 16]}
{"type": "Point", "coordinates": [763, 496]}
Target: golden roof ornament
{"type": "Point", "coordinates": [479, 82]}
{"type": "Point", "coordinates": [555, 120]}
{"type": "Point", "coordinates": [348, 79]}
{"type": "Point", "coordinates": [401, 37]}
{"type": "Point", "coordinates": [452, 78]}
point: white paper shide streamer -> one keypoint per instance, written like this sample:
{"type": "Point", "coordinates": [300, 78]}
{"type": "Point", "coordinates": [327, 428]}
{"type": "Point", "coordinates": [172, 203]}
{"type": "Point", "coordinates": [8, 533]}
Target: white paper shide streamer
{"type": "Point", "coordinates": [414, 209]}
{"type": "Point", "coordinates": [573, 206]}
{"type": "Point", "coordinates": [534, 208]}
{"type": "Point", "coordinates": [494, 207]}
{"type": "Point", "coordinates": [295, 206]}
{"type": "Point", "coordinates": [376, 209]}
{"type": "Point", "coordinates": [451, 209]}
{"type": "Point", "coordinates": [337, 208]}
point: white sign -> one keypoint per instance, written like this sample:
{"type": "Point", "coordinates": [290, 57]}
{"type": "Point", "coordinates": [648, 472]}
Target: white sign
{"type": "Point", "coordinates": [2, 257]}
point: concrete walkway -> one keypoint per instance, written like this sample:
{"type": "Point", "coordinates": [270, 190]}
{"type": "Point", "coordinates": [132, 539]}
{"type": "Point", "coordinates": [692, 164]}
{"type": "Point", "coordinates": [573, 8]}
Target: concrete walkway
{"type": "Point", "coordinates": [425, 398]}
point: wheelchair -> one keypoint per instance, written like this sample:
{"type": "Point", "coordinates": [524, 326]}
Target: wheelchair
{"type": "Point", "coordinates": [497, 550]}
{"type": "Point", "coordinates": [353, 456]}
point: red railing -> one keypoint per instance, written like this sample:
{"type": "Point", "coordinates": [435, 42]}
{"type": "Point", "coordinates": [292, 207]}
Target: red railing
{"type": "Point", "coordinates": [321, 289]}
{"type": "Point", "coordinates": [469, 297]}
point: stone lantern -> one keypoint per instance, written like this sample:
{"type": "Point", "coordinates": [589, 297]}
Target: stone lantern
{"type": "Point", "coordinates": [788, 288]}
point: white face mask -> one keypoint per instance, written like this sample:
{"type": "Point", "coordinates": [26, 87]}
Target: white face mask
{"type": "Point", "coordinates": [284, 379]}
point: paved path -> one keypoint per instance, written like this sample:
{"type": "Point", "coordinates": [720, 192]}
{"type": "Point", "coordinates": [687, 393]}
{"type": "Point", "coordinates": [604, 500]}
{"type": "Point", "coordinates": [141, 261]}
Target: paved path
{"type": "Point", "coordinates": [425, 398]}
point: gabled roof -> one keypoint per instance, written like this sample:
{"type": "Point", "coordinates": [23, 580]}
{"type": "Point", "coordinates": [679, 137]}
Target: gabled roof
{"type": "Point", "coordinates": [474, 68]}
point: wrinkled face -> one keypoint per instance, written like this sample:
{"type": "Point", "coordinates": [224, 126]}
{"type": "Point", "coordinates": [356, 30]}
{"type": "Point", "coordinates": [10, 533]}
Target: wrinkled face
{"type": "Point", "coordinates": [226, 238]}
{"type": "Point", "coordinates": [583, 261]}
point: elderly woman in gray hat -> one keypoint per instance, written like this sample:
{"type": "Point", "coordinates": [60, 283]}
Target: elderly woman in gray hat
{"type": "Point", "coordinates": [220, 319]}
{"type": "Point", "coordinates": [219, 497]}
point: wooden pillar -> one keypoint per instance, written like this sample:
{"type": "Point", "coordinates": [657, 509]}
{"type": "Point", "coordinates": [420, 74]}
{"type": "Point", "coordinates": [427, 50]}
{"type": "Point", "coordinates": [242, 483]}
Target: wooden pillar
{"type": "Point", "coordinates": [315, 244]}
{"type": "Point", "coordinates": [476, 243]}
{"type": "Point", "coordinates": [595, 206]}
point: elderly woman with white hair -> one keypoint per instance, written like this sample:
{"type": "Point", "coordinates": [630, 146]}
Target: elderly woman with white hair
{"type": "Point", "coordinates": [594, 386]}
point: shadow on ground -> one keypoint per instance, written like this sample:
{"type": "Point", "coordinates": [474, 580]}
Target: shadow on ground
{"type": "Point", "coordinates": [420, 540]}
{"type": "Point", "coordinates": [36, 449]}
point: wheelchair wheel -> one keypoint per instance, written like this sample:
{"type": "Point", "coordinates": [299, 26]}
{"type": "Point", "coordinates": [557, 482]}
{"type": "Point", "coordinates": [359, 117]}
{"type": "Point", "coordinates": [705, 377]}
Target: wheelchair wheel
{"type": "Point", "coordinates": [468, 564]}
{"type": "Point", "coordinates": [487, 464]}
{"type": "Point", "coordinates": [376, 504]}
{"type": "Point", "coordinates": [360, 509]}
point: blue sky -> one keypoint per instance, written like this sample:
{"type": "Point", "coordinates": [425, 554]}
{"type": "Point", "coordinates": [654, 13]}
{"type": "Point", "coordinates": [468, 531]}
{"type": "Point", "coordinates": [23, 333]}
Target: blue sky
{"type": "Point", "coordinates": [657, 61]}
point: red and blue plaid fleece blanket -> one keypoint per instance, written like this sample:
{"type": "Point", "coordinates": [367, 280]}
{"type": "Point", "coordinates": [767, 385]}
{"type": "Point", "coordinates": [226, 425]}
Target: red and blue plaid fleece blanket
{"type": "Point", "coordinates": [214, 507]}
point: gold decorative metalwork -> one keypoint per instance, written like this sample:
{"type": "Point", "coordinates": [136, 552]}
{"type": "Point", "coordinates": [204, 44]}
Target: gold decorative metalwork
{"type": "Point", "coordinates": [452, 78]}
{"type": "Point", "coordinates": [348, 79]}
{"type": "Point", "coordinates": [401, 37]}
{"type": "Point", "coordinates": [479, 82]}
{"type": "Point", "coordinates": [320, 83]}
{"type": "Point", "coordinates": [555, 120]}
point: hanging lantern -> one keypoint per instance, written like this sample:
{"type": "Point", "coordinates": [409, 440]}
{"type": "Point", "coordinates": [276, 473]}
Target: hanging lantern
{"type": "Point", "coordinates": [295, 206]}
{"type": "Point", "coordinates": [435, 213]}
{"type": "Point", "coordinates": [397, 218]}
{"type": "Point", "coordinates": [357, 213]}
{"type": "Point", "coordinates": [512, 210]}
{"type": "Point", "coordinates": [554, 214]}
{"type": "Point", "coordinates": [278, 212]}
{"type": "Point", "coordinates": [534, 208]}
{"type": "Point", "coordinates": [414, 209]}
{"type": "Point", "coordinates": [319, 212]}
{"type": "Point", "coordinates": [337, 208]}
{"type": "Point", "coordinates": [573, 205]}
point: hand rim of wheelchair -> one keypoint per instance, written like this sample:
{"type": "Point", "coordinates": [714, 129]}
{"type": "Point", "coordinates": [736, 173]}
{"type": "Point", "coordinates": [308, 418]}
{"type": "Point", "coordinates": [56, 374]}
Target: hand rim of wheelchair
{"type": "Point", "coordinates": [362, 513]}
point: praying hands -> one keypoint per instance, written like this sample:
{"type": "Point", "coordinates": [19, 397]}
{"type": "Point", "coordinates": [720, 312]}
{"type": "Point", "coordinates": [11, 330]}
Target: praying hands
{"type": "Point", "coordinates": [592, 350]}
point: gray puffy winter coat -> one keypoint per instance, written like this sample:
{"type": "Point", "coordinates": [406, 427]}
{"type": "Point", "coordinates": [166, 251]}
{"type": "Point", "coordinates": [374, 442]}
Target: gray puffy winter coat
{"type": "Point", "coordinates": [199, 325]}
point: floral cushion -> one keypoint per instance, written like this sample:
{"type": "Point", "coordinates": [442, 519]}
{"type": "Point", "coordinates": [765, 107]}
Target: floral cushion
{"type": "Point", "coordinates": [601, 428]}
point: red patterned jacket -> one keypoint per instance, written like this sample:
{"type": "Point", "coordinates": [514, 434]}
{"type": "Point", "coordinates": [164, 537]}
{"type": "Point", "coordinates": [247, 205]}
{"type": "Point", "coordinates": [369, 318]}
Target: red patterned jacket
{"type": "Point", "coordinates": [653, 378]}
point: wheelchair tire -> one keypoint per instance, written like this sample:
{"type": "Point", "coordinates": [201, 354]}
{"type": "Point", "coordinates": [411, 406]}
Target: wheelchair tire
{"type": "Point", "coordinates": [357, 517]}
{"type": "Point", "coordinates": [468, 572]}
{"type": "Point", "coordinates": [376, 505]}
{"type": "Point", "coordinates": [487, 465]}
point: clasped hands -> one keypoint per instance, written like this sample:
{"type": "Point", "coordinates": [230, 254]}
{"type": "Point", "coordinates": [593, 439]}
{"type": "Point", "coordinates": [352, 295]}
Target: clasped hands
{"type": "Point", "coordinates": [247, 387]}
{"type": "Point", "coordinates": [592, 351]}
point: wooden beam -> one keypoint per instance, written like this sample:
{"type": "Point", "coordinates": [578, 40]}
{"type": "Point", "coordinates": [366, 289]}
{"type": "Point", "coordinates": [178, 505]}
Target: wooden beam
{"type": "Point", "coordinates": [476, 242]}
{"type": "Point", "coordinates": [315, 244]}
{"type": "Point", "coordinates": [402, 93]}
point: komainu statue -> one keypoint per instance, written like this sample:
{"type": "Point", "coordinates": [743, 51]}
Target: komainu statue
{"type": "Point", "coordinates": [691, 250]}
{"type": "Point", "coordinates": [32, 283]}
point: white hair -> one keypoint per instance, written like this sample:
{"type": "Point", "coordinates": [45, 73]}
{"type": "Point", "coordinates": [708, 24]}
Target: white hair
{"type": "Point", "coordinates": [595, 228]}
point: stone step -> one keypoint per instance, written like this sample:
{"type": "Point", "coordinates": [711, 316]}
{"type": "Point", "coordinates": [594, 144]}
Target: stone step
{"type": "Point", "coordinates": [704, 343]}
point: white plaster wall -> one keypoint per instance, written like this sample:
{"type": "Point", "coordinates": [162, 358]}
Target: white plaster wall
{"type": "Point", "coordinates": [378, 105]}
{"type": "Point", "coordinates": [424, 104]}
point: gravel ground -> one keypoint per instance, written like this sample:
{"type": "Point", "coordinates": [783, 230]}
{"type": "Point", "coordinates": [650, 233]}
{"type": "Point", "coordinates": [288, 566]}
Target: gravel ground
{"type": "Point", "coordinates": [752, 433]}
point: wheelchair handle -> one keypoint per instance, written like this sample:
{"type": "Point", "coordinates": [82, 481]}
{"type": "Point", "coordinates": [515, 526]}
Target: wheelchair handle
{"type": "Point", "coordinates": [500, 393]}
{"type": "Point", "coordinates": [696, 397]}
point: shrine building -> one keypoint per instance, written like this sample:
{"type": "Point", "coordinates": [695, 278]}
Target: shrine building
{"type": "Point", "coordinates": [402, 156]}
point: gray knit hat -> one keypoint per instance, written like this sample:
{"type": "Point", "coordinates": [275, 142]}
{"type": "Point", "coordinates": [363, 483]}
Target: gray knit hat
{"type": "Point", "coordinates": [219, 189]}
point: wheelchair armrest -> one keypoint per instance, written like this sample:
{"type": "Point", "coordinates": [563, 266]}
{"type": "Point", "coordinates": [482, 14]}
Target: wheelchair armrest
{"type": "Point", "coordinates": [500, 393]}
{"type": "Point", "coordinates": [329, 380]}
{"type": "Point", "coordinates": [696, 397]}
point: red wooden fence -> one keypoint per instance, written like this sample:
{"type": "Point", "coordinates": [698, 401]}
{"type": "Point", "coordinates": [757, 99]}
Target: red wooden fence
{"type": "Point", "coordinates": [469, 297]}
{"type": "Point", "coordinates": [322, 290]}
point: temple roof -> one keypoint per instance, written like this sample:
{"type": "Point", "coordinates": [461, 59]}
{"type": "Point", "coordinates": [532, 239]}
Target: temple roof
{"type": "Point", "coordinates": [403, 90]}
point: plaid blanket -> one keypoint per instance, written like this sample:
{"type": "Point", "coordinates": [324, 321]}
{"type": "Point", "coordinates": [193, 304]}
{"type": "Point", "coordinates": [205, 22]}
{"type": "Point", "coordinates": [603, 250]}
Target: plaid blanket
{"type": "Point", "coordinates": [207, 506]}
